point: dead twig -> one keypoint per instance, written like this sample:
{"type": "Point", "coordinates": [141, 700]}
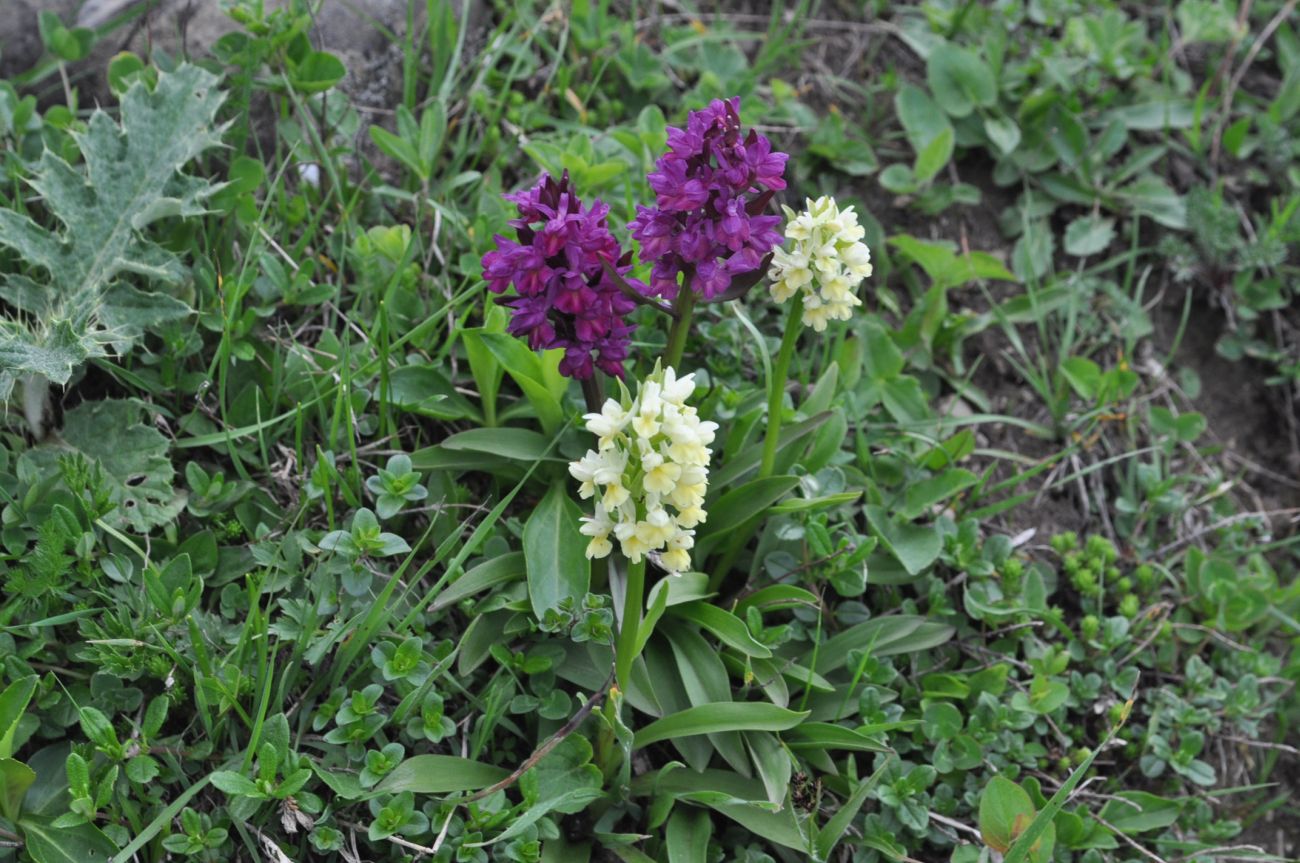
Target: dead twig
{"type": "Point", "coordinates": [1221, 523]}
{"type": "Point", "coordinates": [1132, 843]}
{"type": "Point", "coordinates": [1223, 852]}
{"type": "Point", "coordinates": [1282, 15]}
{"type": "Point", "coordinates": [1163, 608]}
{"type": "Point", "coordinates": [1260, 744]}
{"type": "Point", "coordinates": [565, 730]}
{"type": "Point", "coordinates": [954, 824]}
{"type": "Point", "coordinates": [1215, 634]}
{"type": "Point", "coordinates": [420, 850]}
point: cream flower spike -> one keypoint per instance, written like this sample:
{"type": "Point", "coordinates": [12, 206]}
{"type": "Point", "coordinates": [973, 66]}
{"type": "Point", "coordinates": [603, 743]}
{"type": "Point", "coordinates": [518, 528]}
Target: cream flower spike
{"type": "Point", "coordinates": [649, 474]}
{"type": "Point", "coordinates": [827, 262]}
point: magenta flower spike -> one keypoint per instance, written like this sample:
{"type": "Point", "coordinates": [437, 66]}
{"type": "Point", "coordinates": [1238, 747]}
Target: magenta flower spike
{"type": "Point", "coordinates": [564, 295]}
{"type": "Point", "coordinates": [711, 188]}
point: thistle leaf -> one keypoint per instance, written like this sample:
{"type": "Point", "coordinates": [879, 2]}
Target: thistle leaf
{"type": "Point", "coordinates": [137, 469]}
{"type": "Point", "coordinates": [59, 350]}
{"type": "Point", "coordinates": [75, 300]}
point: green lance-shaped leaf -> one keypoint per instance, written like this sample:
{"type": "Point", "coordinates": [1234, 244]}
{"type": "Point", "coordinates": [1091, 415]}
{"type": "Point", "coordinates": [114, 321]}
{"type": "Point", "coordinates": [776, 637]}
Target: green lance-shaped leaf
{"type": "Point", "coordinates": [47, 843]}
{"type": "Point", "coordinates": [714, 718]}
{"type": "Point", "coordinates": [440, 774]}
{"type": "Point", "coordinates": [74, 296]}
{"type": "Point", "coordinates": [13, 703]}
{"type": "Point", "coordinates": [555, 551]}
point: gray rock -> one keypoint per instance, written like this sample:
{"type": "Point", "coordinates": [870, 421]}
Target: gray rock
{"type": "Point", "coordinates": [20, 36]}
{"type": "Point", "coordinates": [355, 31]}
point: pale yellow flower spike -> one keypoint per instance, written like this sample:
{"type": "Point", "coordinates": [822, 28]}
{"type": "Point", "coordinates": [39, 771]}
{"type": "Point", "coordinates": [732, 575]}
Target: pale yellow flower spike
{"type": "Point", "coordinates": [649, 474]}
{"type": "Point", "coordinates": [827, 262]}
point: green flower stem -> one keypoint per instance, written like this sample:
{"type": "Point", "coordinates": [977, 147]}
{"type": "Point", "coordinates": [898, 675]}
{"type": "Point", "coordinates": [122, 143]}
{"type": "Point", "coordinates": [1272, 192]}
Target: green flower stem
{"type": "Point", "coordinates": [684, 306]}
{"type": "Point", "coordinates": [776, 386]}
{"type": "Point", "coordinates": [775, 393]}
{"type": "Point", "coordinates": [633, 601]}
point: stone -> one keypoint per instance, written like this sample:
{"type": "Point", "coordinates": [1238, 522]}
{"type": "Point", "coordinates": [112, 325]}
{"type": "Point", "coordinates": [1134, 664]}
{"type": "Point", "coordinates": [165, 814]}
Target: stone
{"type": "Point", "coordinates": [355, 32]}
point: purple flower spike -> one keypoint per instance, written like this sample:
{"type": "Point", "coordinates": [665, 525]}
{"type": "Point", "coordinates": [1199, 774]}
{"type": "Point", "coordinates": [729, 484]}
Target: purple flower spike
{"type": "Point", "coordinates": [564, 298]}
{"type": "Point", "coordinates": [710, 188]}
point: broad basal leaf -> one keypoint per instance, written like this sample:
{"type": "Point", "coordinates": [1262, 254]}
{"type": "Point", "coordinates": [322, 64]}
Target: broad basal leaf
{"type": "Point", "coordinates": [1005, 811]}
{"type": "Point", "coordinates": [555, 550]}
{"type": "Point", "coordinates": [49, 844]}
{"type": "Point", "coordinates": [440, 774]}
{"type": "Point", "coordinates": [132, 455]}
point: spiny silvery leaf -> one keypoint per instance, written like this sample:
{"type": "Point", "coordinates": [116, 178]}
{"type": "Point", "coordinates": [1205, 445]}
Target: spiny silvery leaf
{"type": "Point", "coordinates": [137, 468]}
{"type": "Point", "coordinates": [57, 351]}
{"type": "Point", "coordinates": [75, 304]}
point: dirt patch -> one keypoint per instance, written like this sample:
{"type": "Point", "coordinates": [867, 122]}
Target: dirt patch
{"type": "Point", "coordinates": [361, 35]}
{"type": "Point", "coordinates": [1245, 416]}
{"type": "Point", "coordinates": [1248, 436]}
{"type": "Point", "coordinates": [20, 35]}
{"type": "Point", "coordinates": [1277, 832]}
{"type": "Point", "coordinates": [1053, 506]}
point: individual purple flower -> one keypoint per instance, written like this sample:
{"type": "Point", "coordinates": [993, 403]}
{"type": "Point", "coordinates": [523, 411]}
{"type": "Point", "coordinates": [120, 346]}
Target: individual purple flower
{"type": "Point", "coordinates": [564, 295]}
{"type": "Point", "coordinates": [711, 188]}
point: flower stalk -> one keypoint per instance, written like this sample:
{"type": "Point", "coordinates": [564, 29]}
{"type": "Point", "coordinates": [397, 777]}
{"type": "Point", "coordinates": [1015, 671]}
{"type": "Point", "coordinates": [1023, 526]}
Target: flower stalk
{"type": "Point", "coordinates": [592, 393]}
{"type": "Point", "coordinates": [818, 275]}
{"type": "Point", "coordinates": [683, 311]}
{"type": "Point", "coordinates": [776, 386]}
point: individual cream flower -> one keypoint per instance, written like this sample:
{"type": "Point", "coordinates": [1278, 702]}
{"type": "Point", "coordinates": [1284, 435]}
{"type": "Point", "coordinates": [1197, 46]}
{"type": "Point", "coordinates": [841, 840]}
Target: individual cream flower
{"type": "Point", "coordinates": [598, 527]}
{"type": "Point", "coordinates": [678, 556]}
{"type": "Point", "coordinates": [677, 390]}
{"type": "Point", "coordinates": [616, 494]}
{"type": "Point", "coordinates": [660, 474]}
{"type": "Point", "coordinates": [828, 262]}
{"type": "Point", "coordinates": [598, 468]}
{"type": "Point", "coordinates": [658, 527]}
{"type": "Point", "coordinates": [649, 473]}
{"type": "Point", "coordinates": [609, 422]}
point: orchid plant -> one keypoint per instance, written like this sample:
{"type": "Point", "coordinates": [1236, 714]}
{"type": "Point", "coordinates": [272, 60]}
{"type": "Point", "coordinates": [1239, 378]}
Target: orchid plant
{"type": "Point", "coordinates": [707, 237]}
